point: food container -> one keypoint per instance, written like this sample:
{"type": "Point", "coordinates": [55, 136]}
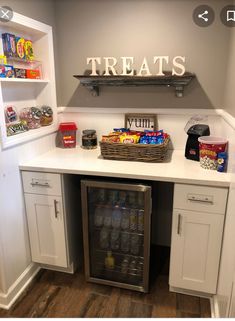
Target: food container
{"type": "Point", "coordinates": [209, 147]}
{"type": "Point", "coordinates": [89, 139]}
{"type": "Point", "coordinates": [66, 135]}
{"type": "Point", "coordinates": [47, 116]}
{"type": "Point", "coordinates": [31, 116]}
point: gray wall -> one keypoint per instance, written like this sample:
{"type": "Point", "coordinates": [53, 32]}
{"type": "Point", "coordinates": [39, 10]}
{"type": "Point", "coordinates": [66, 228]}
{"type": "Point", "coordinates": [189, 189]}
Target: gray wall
{"type": "Point", "coordinates": [141, 28]}
{"type": "Point", "coordinates": [42, 10]}
{"type": "Point", "coordinates": [229, 97]}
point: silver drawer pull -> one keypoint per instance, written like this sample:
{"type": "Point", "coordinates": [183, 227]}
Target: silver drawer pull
{"type": "Point", "coordinates": [201, 201]}
{"type": "Point", "coordinates": [56, 209]}
{"type": "Point", "coordinates": [33, 184]}
{"type": "Point", "coordinates": [179, 224]}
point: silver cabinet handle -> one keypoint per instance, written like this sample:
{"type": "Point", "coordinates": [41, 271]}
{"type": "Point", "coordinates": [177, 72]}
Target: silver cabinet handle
{"type": "Point", "coordinates": [56, 209]}
{"type": "Point", "coordinates": [33, 184]}
{"type": "Point", "coordinates": [201, 201]}
{"type": "Point", "coordinates": [179, 224]}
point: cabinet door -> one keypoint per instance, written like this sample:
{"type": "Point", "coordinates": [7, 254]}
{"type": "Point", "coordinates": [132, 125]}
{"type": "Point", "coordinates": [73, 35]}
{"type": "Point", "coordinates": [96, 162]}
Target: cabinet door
{"type": "Point", "coordinates": [195, 250]}
{"type": "Point", "coordinates": [46, 229]}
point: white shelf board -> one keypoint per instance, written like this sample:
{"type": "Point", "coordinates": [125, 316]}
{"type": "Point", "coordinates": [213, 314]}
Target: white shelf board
{"type": "Point", "coordinates": [32, 134]}
{"type": "Point", "coordinates": [24, 80]}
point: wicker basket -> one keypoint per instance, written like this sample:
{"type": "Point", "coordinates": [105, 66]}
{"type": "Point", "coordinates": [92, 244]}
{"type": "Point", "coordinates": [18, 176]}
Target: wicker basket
{"type": "Point", "coordinates": [134, 152]}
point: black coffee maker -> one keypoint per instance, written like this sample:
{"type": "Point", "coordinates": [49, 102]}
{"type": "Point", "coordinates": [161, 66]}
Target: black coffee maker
{"type": "Point", "coordinates": [192, 145]}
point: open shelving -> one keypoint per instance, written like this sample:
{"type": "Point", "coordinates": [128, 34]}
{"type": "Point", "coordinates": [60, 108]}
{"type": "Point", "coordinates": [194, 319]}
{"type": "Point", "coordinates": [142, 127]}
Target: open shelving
{"type": "Point", "coordinates": [22, 80]}
{"type": "Point", "coordinates": [24, 92]}
{"type": "Point", "coordinates": [93, 83]}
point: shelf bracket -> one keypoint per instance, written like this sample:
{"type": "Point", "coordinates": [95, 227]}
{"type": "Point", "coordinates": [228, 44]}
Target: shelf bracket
{"type": "Point", "coordinates": [94, 90]}
{"type": "Point", "coordinates": [179, 91]}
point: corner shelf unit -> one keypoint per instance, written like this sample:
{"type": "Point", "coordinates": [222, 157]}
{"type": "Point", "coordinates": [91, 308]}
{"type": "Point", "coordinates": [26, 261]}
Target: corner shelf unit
{"type": "Point", "coordinates": [21, 93]}
{"type": "Point", "coordinates": [92, 83]}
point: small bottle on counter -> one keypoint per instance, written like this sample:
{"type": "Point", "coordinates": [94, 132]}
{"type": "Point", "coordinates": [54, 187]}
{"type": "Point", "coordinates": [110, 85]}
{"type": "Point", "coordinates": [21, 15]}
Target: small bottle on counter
{"type": "Point", "coordinates": [89, 139]}
{"type": "Point", "coordinates": [222, 161]}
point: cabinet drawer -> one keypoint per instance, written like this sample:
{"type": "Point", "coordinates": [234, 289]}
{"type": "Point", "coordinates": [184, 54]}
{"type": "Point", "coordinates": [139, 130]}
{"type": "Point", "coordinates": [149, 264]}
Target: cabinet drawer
{"type": "Point", "coordinates": [42, 183]}
{"type": "Point", "coordinates": [200, 198]}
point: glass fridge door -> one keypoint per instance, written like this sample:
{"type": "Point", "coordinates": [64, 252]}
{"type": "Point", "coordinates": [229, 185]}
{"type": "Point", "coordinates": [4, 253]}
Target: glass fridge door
{"type": "Point", "coordinates": [116, 232]}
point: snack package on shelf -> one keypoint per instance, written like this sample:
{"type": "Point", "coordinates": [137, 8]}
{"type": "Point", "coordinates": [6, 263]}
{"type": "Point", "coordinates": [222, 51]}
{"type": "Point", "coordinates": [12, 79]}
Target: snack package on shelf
{"type": "Point", "coordinates": [3, 60]}
{"type": "Point", "coordinates": [13, 125]}
{"type": "Point", "coordinates": [10, 114]}
{"type": "Point", "coordinates": [9, 71]}
{"type": "Point", "coordinates": [28, 47]}
{"type": "Point", "coordinates": [2, 71]}
{"type": "Point", "coordinates": [9, 45]}
{"type": "Point", "coordinates": [20, 50]}
{"type": "Point", "coordinates": [16, 128]}
{"type": "Point", "coordinates": [20, 73]}
{"type": "Point", "coordinates": [6, 71]}
{"type": "Point", "coordinates": [33, 73]}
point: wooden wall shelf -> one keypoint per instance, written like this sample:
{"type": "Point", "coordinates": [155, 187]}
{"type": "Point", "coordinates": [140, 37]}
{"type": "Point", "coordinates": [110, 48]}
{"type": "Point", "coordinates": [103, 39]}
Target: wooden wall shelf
{"type": "Point", "coordinates": [92, 83]}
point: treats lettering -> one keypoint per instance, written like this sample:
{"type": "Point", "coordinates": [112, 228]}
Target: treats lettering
{"type": "Point", "coordinates": [127, 66]}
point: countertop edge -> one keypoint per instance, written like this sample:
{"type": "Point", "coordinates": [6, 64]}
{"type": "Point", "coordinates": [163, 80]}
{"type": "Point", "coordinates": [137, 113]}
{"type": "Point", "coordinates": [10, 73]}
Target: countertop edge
{"type": "Point", "coordinates": [192, 181]}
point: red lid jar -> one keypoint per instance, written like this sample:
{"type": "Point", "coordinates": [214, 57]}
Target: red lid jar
{"type": "Point", "coordinates": [66, 137]}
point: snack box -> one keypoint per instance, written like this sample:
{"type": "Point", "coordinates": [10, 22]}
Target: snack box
{"type": "Point", "coordinates": [20, 50]}
{"type": "Point", "coordinates": [10, 114]}
{"type": "Point", "coordinates": [9, 71]}
{"type": "Point", "coordinates": [28, 48]}
{"type": "Point", "coordinates": [32, 73]}
{"type": "Point", "coordinates": [2, 71]}
{"type": "Point", "coordinates": [20, 73]}
{"type": "Point", "coordinates": [16, 128]}
{"type": "Point", "coordinates": [9, 45]}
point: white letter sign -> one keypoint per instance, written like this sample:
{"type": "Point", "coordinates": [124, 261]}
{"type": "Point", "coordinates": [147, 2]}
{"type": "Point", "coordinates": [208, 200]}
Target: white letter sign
{"type": "Point", "coordinates": [144, 68]}
{"type": "Point", "coordinates": [178, 65]}
{"type": "Point", "coordinates": [110, 62]}
{"type": "Point", "coordinates": [161, 58]}
{"type": "Point", "coordinates": [93, 64]}
{"type": "Point", "coordinates": [126, 66]}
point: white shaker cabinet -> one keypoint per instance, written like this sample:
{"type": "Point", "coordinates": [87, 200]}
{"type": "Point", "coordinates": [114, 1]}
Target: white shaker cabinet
{"type": "Point", "coordinates": [53, 220]}
{"type": "Point", "coordinates": [46, 229]}
{"type": "Point", "coordinates": [197, 231]}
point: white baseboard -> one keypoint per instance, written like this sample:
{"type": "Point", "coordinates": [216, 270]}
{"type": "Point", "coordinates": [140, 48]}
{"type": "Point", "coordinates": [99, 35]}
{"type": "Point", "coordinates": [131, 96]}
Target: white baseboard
{"type": "Point", "coordinates": [7, 299]}
{"type": "Point", "coordinates": [70, 269]}
{"type": "Point", "coordinates": [190, 292]}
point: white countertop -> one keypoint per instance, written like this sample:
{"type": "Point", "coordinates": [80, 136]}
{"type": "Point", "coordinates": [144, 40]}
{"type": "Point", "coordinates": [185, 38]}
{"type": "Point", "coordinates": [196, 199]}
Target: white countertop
{"type": "Point", "coordinates": [89, 162]}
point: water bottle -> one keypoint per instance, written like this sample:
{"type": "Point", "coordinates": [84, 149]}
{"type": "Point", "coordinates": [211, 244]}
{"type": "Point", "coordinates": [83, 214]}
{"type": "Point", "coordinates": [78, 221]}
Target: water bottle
{"type": "Point", "coordinates": [125, 242]}
{"type": "Point", "coordinates": [107, 216]}
{"type": "Point", "coordinates": [115, 239]}
{"type": "Point", "coordinates": [125, 265]}
{"type": "Point", "coordinates": [125, 221]}
{"type": "Point", "coordinates": [135, 244]}
{"type": "Point", "coordinates": [116, 217]}
{"type": "Point", "coordinates": [133, 219]}
{"type": "Point", "coordinates": [141, 221]}
{"type": "Point", "coordinates": [104, 238]}
{"type": "Point", "coordinates": [99, 216]}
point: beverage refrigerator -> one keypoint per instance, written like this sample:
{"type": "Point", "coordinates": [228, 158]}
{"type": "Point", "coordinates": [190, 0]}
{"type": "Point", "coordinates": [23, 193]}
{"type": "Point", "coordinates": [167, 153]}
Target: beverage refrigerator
{"type": "Point", "coordinates": [116, 233]}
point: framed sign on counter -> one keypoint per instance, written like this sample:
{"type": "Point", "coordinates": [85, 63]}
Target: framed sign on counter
{"type": "Point", "coordinates": [141, 122]}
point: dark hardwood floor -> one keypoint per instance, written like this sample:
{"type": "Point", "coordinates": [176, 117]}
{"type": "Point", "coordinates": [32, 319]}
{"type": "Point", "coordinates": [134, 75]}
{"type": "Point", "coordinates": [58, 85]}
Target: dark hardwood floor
{"type": "Point", "coordinates": [55, 294]}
